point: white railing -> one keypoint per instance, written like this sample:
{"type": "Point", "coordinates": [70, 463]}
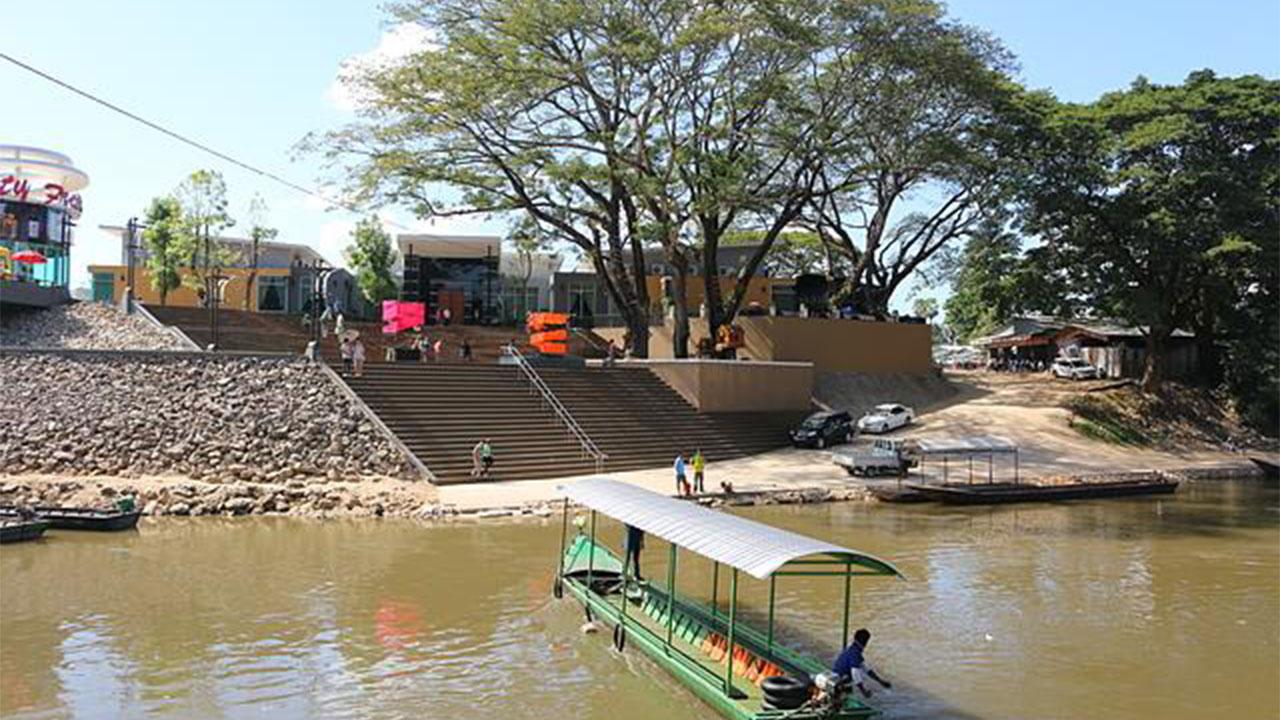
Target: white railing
{"type": "Point", "coordinates": [549, 399]}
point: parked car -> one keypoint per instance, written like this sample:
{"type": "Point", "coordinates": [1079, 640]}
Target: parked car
{"type": "Point", "coordinates": [822, 429]}
{"type": "Point", "coordinates": [883, 457]}
{"type": "Point", "coordinates": [886, 417]}
{"type": "Point", "coordinates": [1074, 369]}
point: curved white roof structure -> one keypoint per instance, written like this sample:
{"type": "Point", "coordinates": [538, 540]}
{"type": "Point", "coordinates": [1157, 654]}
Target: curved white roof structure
{"type": "Point", "coordinates": [755, 548]}
{"type": "Point", "coordinates": [39, 166]}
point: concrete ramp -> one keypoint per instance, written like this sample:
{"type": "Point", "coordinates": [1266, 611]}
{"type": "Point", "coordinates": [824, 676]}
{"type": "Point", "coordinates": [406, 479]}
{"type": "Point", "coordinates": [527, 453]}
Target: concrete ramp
{"type": "Point", "coordinates": [858, 392]}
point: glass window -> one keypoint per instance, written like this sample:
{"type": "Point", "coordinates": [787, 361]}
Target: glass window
{"type": "Point", "coordinates": [273, 294]}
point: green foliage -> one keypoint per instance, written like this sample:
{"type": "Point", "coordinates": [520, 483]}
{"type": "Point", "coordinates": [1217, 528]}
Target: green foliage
{"type": "Point", "coordinates": [794, 253]}
{"type": "Point", "coordinates": [1141, 195]}
{"type": "Point", "coordinates": [372, 255]}
{"type": "Point", "coordinates": [259, 233]}
{"type": "Point", "coordinates": [203, 197]}
{"type": "Point", "coordinates": [925, 307]}
{"type": "Point", "coordinates": [168, 245]}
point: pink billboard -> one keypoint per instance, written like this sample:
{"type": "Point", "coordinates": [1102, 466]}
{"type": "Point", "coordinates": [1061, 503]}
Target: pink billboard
{"type": "Point", "coordinates": [398, 316]}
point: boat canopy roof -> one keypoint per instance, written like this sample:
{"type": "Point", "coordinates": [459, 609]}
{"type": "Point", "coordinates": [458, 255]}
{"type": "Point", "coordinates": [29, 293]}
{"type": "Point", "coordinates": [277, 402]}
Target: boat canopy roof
{"type": "Point", "coordinates": [752, 547]}
{"type": "Point", "coordinates": [977, 445]}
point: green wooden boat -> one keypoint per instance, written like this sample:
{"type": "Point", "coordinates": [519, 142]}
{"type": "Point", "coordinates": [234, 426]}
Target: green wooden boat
{"type": "Point", "coordinates": [707, 646]}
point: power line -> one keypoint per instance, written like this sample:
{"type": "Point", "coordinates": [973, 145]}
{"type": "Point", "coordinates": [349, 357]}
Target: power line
{"type": "Point", "coordinates": [188, 141]}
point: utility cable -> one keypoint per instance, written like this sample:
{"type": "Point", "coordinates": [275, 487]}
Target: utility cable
{"type": "Point", "coordinates": [188, 141]}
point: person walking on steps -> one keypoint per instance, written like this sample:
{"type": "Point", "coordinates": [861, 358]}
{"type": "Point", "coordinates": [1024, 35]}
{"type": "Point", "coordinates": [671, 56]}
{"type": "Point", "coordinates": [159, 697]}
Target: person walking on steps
{"type": "Point", "coordinates": [699, 469]}
{"type": "Point", "coordinates": [484, 452]}
{"type": "Point", "coordinates": [682, 481]}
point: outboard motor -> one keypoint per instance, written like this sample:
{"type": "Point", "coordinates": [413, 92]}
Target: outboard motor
{"type": "Point", "coordinates": [831, 693]}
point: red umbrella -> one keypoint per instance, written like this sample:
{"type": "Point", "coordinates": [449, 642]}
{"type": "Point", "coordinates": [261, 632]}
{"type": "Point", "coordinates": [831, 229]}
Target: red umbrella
{"type": "Point", "coordinates": [31, 257]}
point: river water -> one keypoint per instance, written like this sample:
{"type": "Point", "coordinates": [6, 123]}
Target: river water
{"type": "Point", "coordinates": [1137, 608]}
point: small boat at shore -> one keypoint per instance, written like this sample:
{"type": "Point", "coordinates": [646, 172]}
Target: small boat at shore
{"type": "Point", "coordinates": [70, 518]}
{"type": "Point", "coordinates": [997, 493]}
{"type": "Point", "coordinates": [738, 668]}
{"type": "Point", "coordinates": [896, 493]}
{"type": "Point", "coordinates": [12, 531]}
{"type": "Point", "coordinates": [1270, 468]}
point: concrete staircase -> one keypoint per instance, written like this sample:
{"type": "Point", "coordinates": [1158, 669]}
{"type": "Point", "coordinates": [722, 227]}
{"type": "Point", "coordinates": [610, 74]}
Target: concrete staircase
{"type": "Point", "coordinates": [441, 411]}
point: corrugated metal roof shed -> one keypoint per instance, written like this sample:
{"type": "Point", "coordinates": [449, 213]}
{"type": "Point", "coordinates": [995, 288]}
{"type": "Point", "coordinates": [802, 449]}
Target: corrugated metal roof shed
{"type": "Point", "coordinates": [982, 445]}
{"type": "Point", "coordinates": [755, 548]}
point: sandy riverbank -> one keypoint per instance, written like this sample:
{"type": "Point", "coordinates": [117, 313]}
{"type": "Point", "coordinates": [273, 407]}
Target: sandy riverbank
{"type": "Point", "coordinates": [1023, 409]}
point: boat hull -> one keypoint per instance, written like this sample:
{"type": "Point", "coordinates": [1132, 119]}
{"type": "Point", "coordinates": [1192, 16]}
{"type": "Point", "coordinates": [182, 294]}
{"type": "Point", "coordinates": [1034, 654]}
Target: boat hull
{"type": "Point", "coordinates": [13, 532]}
{"type": "Point", "coordinates": [681, 662]}
{"type": "Point", "coordinates": [87, 519]}
{"type": "Point", "coordinates": [1001, 493]}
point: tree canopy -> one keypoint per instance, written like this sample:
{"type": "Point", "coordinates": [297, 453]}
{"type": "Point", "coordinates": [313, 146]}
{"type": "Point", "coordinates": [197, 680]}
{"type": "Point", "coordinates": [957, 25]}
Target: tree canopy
{"type": "Point", "coordinates": [372, 255]}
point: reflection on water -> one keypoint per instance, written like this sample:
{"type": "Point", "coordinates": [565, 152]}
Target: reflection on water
{"type": "Point", "coordinates": [1123, 609]}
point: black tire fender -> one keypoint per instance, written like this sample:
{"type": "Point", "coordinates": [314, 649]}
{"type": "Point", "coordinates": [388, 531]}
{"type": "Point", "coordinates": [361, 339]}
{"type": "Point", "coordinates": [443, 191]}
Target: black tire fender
{"type": "Point", "coordinates": [785, 686]}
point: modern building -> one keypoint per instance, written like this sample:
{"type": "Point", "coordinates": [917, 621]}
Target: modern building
{"type": "Point", "coordinates": [282, 282]}
{"type": "Point", "coordinates": [39, 204]}
{"type": "Point", "coordinates": [459, 273]}
{"type": "Point", "coordinates": [1118, 350]}
{"type": "Point", "coordinates": [526, 283]}
{"type": "Point", "coordinates": [580, 293]}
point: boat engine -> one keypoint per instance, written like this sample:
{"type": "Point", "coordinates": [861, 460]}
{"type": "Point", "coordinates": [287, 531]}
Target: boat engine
{"type": "Point", "coordinates": [831, 694]}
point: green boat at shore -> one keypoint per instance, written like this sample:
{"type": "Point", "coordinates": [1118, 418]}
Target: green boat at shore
{"type": "Point", "coordinates": [736, 668]}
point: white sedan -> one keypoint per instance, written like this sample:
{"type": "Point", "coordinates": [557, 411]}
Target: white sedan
{"type": "Point", "coordinates": [1074, 369]}
{"type": "Point", "coordinates": [884, 418]}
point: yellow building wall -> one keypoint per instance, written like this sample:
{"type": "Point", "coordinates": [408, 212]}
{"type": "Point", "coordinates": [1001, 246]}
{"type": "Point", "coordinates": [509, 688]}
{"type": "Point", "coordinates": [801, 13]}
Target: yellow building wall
{"type": "Point", "coordinates": [759, 290]}
{"type": "Point", "coordinates": [186, 295]}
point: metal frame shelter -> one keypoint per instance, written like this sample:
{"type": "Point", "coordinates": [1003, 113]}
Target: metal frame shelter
{"type": "Point", "coordinates": [968, 448]}
{"type": "Point", "coordinates": [743, 546]}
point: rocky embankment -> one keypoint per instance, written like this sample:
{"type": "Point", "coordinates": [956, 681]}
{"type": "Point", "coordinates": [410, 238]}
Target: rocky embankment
{"type": "Point", "coordinates": [83, 326]}
{"type": "Point", "coordinates": [205, 418]}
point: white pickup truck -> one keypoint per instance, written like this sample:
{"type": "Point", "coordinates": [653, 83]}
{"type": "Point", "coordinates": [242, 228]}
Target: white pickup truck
{"type": "Point", "coordinates": [883, 457]}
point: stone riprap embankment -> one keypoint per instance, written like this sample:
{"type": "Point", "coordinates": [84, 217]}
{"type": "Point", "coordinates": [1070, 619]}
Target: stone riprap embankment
{"type": "Point", "coordinates": [207, 418]}
{"type": "Point", "coordinates": [83, 326]}
{"type": "Point", "coordinates": [299, 497]}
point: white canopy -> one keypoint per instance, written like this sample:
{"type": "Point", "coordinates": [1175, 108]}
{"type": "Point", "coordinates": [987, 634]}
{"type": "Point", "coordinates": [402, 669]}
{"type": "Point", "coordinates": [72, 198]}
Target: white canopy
{"type": "Point", "coordinates": [755, 548]}
{"type": "Point", "coordinates": [982, 445]}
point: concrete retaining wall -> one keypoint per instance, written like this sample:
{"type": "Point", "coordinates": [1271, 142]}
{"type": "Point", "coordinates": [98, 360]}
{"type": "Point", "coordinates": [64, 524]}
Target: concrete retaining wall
{"type": "Point", "coordinates": [732, 386]}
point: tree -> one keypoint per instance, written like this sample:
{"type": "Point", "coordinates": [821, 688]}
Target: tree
{"type": "Point", "coordinates": [203, 197]}
{"type": "Point", "coordinates": [794, 253]}
{"type": "Point", "coordinates": [168, 245]}
{"type": "Point", "coordinates": [925, 307]}
{"type": "Point", "coordinates": [924, 125]}
{"type": "Point", "coordinates": [258, 234]}
{"type": "Point", "coordinates": [1148, 194]}
{"type": "Point", "coordinates": [373, 255]}
{"type": "Point", "coordinates": [519, 106]}
{"type": "Point", "coordinates": [528, 241]}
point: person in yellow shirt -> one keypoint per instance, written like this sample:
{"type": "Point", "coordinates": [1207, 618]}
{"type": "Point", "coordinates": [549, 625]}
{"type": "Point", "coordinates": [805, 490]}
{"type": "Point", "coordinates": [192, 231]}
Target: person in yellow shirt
{"type": "Point", "coordinates": [699, 467]}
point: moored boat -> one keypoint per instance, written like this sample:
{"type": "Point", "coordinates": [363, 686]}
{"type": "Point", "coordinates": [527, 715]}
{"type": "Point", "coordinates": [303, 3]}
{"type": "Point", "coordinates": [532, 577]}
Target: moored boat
{"type": "Point", "coordinates": [997, 493]}
{"type": "Point", "coordinates": [735, 667]}
{"type": "Point", "coordinates": [12, 531]}
{"type": "Point", "coordinates": [1270, 468]}
{"type": "Point", "coordinates": [70, 518]}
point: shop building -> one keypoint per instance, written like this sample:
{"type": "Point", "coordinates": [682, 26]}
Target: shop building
{"type": "Point", "coordinates": [39, 204]}
{"type": "Point", "coordinates": [281, 283]}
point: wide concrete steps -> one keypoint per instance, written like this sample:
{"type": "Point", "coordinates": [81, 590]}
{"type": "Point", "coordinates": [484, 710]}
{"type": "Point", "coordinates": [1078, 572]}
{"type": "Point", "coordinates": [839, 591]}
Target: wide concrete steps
{"type": "Point", "coordinates": [440, 411]}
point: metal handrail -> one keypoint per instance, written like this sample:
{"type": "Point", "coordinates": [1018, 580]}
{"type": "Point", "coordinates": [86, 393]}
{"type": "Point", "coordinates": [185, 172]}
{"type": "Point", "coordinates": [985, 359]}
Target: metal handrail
{"type": "Point", "coordinates": [589, 446]}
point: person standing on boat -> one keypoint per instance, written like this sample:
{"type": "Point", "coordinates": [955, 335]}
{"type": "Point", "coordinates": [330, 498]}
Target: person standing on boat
{"type": "Point", "coordinates": [852, 664]}
{"type": "Point", "coordinates": [633, 545]}
{"type": "Point", "coordinates": [682, 482]}
{"type": "Point", "coordinates": [699, 468]}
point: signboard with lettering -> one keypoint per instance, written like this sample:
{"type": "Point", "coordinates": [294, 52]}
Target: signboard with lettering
{"type": "Point", "coordinates": [20, 189]}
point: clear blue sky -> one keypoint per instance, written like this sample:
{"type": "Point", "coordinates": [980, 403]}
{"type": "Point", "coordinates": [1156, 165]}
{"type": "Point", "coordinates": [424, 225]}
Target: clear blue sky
{"type": "Point", "coordinates": [251, 77]}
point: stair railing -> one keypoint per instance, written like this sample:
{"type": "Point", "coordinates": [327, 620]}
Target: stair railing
{"type": "Point", "coordinates": [549, 399]}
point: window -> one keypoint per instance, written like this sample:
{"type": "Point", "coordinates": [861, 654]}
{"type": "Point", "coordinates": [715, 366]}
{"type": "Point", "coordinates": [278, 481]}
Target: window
{"type": "Point", "coordinates": [273, 294]}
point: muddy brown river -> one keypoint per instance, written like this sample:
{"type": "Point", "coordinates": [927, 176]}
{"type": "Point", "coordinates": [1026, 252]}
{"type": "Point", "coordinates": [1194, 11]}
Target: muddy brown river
{"type": "Point", "coordinates": [1140, 609]}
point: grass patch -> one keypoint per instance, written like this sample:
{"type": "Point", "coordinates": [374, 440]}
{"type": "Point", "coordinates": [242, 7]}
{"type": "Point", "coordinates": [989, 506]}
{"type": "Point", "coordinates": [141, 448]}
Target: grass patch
{"type": "Point", "coordinates": [1176, 416]}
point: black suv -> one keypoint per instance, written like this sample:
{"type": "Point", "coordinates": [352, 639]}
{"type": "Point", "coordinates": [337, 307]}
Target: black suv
{"type": "Point", "coordinates": [822, 429]}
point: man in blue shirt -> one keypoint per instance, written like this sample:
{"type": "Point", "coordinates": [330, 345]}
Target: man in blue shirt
{"type": "Point", "coordinates": [852, 666]}
{"type": "Point", "coordinates": [682, 482]}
